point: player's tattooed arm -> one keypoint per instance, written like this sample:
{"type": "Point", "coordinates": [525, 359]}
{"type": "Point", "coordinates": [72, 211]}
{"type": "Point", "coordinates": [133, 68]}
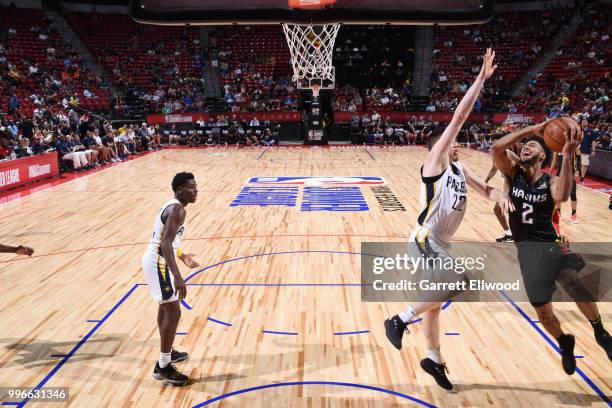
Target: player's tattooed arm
{"type": "Point", "coordinates": [174, 219]}
{"type": "Point", "coordinates": [561, 187]}
{"type": "Point", "coordinates": [437, 159]}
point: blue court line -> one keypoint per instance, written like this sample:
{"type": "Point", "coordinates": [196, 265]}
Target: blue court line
{"type": "Point", "coordinates": [188, 278]}
{"type": "Point", "coordinates": [218, 321]}
{"type": "Point", "coordinates": [447, 304]}
{"type": "Point", "coordinates": [554, 346]}
{"type": "Point", "coordinates": [352, 332]}
{"type": "Point", "coordinates": [579, 356]}
{"type": "Point", "coordinates": [451, 334]}
{"type": "Point", "coordinates": [289, 384]}
{"type": "Point", "coordinates": [279, 332]}
{"type": "Point", "coordinates": [80, 343]}
{"type": "Point", "coordinates": [58, 355]}
{"type": "Point", "coordinates": [368, 152]}
{"type": "Point", "coordinates": [10, 403]}
{"type": "Point", "coordinates": [262, 153]}
{"type": "Point", "coordinates": [92, 321]}
{"type": "Point", "coordinates": [181, 333]}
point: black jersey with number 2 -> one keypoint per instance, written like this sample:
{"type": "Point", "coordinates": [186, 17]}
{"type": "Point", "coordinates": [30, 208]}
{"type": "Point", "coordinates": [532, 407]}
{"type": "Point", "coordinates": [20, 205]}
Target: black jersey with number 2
{"type": "Point", "coordinates": [532, 218]}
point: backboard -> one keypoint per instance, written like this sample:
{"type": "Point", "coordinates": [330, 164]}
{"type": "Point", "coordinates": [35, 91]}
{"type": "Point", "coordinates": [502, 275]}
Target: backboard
{"type": "Point", "coordinates": [216, 12]}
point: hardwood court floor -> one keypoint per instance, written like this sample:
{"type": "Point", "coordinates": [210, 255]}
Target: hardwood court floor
{"type": "Point", "coordinates": [90, 233]}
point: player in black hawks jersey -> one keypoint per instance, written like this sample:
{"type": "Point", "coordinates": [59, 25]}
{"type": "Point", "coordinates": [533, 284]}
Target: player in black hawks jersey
{"type": "Point", "coordinates": [542, 258]}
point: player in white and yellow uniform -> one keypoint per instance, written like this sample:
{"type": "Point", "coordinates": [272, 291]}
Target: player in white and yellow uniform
{"type": "Point", "coordinates": [444, 184]}
{"type": "Point", "coordinates": [159, 278]}
{"type": "Point", "coordinates": [164, 279]}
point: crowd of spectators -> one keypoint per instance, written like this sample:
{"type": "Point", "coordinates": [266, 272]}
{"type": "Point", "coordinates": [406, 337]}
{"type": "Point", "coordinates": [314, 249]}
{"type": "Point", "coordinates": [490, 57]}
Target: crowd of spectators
{"type": "Point", "coordinates": [222, 131]}
{"type": "Point", "coordinates": [579, 76]}
{"type": "Point", "coordinates": [38, 70]}
{"type": "Point", "coordinates": [45, 83]}
{"type": "Point", "coordinates": [518, 38]}
{"type": "Point", "coordinates": [253, 64]}
{"type": "Point", "coordinates": [82, 140]}
{"type": "Point", "coordinates": [378, 128]}
{"type": "Point", "coordinates": [162, 66]}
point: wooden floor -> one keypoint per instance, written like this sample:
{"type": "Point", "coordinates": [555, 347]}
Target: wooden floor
{"type": "Point", "coordinates": [90, 233]}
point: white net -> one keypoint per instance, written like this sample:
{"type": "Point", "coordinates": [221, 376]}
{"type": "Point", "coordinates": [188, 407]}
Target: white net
{"type": "Point", "coordinates": [312, 47]}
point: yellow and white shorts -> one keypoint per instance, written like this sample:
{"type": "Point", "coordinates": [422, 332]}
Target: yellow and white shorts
{"type": "Point", "coordinates": [159, 278]}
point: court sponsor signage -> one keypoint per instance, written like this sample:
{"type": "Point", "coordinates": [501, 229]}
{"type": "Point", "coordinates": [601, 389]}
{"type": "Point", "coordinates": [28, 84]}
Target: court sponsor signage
{"type": "Point", "coordinates": [14, 173]}
{"type": "Point", "coordinates": [518, 117]}
{"type": "Point", "coordinates": [387, 199]}
{"type": "Point", "coordinates": [277, 117]}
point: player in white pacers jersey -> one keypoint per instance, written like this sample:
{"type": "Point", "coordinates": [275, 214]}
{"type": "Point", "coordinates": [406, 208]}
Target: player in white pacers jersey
{"type": "Point", "coordinates": [163, 276]}
{"type": "Point", "coordinates": [444, 184]}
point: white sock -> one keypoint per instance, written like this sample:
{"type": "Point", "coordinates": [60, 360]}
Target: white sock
{"type": "Point", "coordinates": [407, 315]}
{"type": "Point", "coordinates": [435, 355]}
{"type": "Point", "coordinates": [508, 232]}
{"type": "Point", "coordinates": [164, 359]}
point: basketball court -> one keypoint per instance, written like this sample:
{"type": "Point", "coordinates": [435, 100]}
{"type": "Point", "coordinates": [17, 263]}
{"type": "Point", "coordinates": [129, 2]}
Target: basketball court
{"type": "Point", "coordinates": [273, 317]}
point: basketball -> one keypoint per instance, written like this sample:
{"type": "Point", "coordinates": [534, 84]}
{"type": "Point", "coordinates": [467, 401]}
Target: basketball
{"type": "Point", "coordinates": [554, 134]}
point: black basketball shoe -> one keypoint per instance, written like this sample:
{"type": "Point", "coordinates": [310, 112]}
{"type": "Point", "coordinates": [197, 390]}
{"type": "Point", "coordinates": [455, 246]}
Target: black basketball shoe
{"type": "Point", "coordinates": [395, 329]}
{"type": "Point", "coordinates": [178, 356]}
{"type": "Point", "coordinates": [505, 238]}
{"type": "Point", "coordinates": [568, 360]}
{"type": "Point", "coordinates": [438, 372]}
{"type": "Point", "coordinates": [169, 374]}
{"type": "Point", "coordinates": [605, 341]}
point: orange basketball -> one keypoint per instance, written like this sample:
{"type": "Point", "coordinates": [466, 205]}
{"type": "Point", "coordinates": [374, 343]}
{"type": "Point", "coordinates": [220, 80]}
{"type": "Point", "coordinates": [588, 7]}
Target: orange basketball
{"type": "Point", "coordinates": [554, 134]}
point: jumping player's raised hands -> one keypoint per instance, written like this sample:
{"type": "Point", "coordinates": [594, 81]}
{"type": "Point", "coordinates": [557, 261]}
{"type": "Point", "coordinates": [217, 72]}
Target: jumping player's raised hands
{"type": "Point", "coordinates": [488, 68]}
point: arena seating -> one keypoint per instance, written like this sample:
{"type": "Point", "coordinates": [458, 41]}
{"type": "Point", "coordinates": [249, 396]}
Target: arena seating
{"type": "Point", "coordinates": [517, 39]}
{"type": "Point", "coordinates": [582, 63]}
{"type": "Point", "coordinates": [142, 58]}
{"type": "Point", "coordinates": [254, 67]}
{"type": "Point", "coordinates": [24, 48]}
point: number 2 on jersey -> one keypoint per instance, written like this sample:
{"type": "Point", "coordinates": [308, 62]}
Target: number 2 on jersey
{"type": "Point", "coordinates": [527, 209]}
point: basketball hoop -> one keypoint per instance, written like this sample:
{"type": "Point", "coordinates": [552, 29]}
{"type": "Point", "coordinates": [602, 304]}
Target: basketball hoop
{"type": "Point", "coordinates": [312, 48]}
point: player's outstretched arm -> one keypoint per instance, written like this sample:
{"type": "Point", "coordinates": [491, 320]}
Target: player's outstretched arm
{"type": "Point", "coordinates": [481, 187]}
{"type": "Point", "coordinates": [19, 250]}
{"type": "Point", "coordinates": [492, 172]}
{"type": "Point", "coordinates": [561, 187]}
{"type": "Point", "coordinates": [174, 219]}
{"type": "Point", "coordinates": [437, 159]}
{"type": "Point", "coordinates": [504, 158]}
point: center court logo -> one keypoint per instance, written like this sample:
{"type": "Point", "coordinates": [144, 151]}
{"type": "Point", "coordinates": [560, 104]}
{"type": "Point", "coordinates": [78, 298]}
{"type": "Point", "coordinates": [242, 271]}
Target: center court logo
{"type": "Point", "coordinates": [320, 193]}
{"type": "Point", "coordinates": [318, 180]}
